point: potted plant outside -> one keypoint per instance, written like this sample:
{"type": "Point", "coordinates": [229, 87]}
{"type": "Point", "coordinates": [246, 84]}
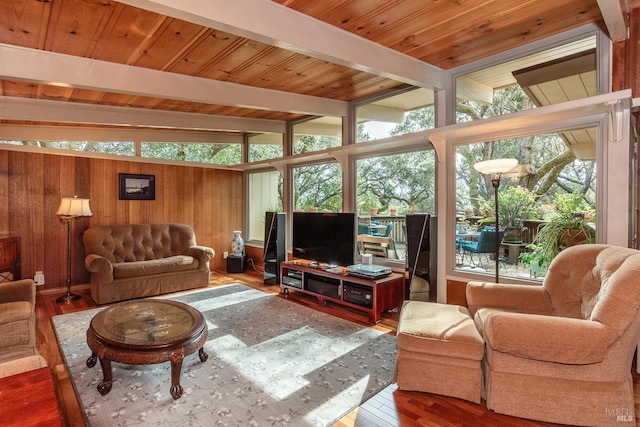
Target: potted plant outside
{"type": "Point", "coordinates": [568, 226]}
{"type": "Point", "coordinates": [515, 205]}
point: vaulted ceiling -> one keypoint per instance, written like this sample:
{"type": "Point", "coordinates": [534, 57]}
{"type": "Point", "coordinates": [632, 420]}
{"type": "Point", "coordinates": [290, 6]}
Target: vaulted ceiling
{"type": "Point", "coordinates": [244, 65]}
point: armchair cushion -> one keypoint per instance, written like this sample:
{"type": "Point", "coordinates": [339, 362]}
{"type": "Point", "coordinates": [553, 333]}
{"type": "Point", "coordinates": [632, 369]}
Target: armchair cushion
{"type": "Point", "coordinates": [545, 338]}
{"type": "Point", "coordinates": [532, 299]}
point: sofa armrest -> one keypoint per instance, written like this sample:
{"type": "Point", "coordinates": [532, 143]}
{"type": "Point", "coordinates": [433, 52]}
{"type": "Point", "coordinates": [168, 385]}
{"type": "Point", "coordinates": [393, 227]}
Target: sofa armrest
{"type": "Point", "coordinates": [546, 338]}
{"type": "Point", "coordinates": [202, 253]}
{"type": "Point", "coordinates": [528, 298]}
{"type": "Point", "coordinates": [100, 267]}
{"type": "Point", "coordinates": [20, 290]}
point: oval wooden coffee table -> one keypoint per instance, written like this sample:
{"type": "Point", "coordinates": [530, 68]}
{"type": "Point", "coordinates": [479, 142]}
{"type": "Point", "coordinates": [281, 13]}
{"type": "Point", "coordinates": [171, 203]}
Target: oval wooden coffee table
{"type": "Point", "coordinates": [144, 332]}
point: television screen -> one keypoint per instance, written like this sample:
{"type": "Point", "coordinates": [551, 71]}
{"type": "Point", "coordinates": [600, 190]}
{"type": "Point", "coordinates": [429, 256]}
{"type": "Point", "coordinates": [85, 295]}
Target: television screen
{"type": "Point", "coordinates": [324, 237]}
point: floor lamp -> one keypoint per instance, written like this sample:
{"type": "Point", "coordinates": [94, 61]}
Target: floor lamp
{"type": "Point", "coordinates": [71, 208]}
{"type": "Point", "coordinates": [495, 168]}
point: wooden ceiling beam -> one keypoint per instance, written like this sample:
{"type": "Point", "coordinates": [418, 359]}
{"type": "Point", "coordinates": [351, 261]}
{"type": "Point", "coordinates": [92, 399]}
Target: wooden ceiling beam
{"type": "Point", "coordinates": [277, 25]}
{"type": "Point", "coordinates": [48, 111]}
{"type": "Point", "coordinates": [37, 66]}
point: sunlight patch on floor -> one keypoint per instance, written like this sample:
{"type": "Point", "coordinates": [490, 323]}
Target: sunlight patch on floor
{"type": "Point", "coordinates": [270, 361]}
{"type": "Point", "coordinates": [338, 400]}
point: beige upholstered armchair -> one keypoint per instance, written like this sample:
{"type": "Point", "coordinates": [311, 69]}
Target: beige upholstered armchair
{"type": "Point", "coordinates": [562, 352]}
{"type": "Point", "coordinates": [18, 352]}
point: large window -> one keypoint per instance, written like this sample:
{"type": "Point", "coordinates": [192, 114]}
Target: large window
{"type": "Point", "coordinates": [265, 146]}
{"type": "Point", "coordinates": [220, 154]}
{"type": "Point", "coordinates": [401, 114]}
{"type": "Point", "coordinates": [265, 194]}
{"type": "Point", "coordinates": [389, 187]}
{"type": "Point", "coordinates": [555, 179]}
{"type": "Point", "coordinates": [317, 134]}
{"type": "Point", "coordinates": [117, 148]}
{"type": "Point", "coordinates": [318, 188]}
{"type": "Point", "coordinates": [555, 75]}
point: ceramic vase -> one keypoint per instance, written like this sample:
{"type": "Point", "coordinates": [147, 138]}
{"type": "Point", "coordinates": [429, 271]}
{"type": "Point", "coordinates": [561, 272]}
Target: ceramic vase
{"type": "Point", "coordinates": [237, 244]}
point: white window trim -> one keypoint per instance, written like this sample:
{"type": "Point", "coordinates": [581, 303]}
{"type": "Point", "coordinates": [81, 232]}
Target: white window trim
{"type": "Point", "coordinates": [614, 151]}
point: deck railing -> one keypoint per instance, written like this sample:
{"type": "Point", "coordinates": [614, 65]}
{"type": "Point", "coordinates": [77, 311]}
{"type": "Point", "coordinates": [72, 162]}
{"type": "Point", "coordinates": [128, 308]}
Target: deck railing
{"type": "Point", "coordinates": [398, 233]}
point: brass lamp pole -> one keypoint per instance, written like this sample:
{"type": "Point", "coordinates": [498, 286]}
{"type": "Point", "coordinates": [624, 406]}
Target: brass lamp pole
{"type": "Point", "coordinates": [70, 208]}
{"type": "Point", "coordinates": [495, 168]}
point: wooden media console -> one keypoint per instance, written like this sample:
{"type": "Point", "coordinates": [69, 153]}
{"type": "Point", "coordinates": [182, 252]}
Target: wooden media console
{"type": "Point", "coordinates": [373, 296]}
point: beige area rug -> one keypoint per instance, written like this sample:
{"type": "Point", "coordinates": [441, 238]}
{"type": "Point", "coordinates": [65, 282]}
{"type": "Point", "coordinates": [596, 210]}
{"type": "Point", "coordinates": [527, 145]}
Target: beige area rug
{"type": "Point", "coordinates": [271, 362]}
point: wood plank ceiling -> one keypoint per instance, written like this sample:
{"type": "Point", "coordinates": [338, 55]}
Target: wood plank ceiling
{"type": "Point", "coordinates": [77, 51]}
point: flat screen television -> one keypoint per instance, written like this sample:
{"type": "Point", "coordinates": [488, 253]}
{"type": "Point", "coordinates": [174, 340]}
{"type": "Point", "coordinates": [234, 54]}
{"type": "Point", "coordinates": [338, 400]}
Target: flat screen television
{"type": "Point", "coordinates": [324, 237]}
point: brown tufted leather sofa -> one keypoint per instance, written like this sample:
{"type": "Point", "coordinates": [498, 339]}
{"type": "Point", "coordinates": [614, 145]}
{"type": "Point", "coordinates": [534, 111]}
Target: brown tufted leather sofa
{"type": "Point", "coordinates": [141, 260]}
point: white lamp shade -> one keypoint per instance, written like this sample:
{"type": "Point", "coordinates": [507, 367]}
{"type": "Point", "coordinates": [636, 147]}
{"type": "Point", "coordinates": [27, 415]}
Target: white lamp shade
{"type": "Point", "coordinates": [73, 206]}
{"type": "Point", "coordinates": [488, 167]}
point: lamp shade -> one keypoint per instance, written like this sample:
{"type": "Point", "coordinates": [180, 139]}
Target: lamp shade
{"type": "Point", "coordinates": [488, 167]}
{"type": "Point", "coordinates": [73, 206]}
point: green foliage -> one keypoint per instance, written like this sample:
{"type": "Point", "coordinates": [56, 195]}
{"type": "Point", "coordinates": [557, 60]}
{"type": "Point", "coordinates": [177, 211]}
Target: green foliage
{"type": "Point", "coordinates": [220, 154]}
{"type": "Point", "coordinates": [259, 152]}
{"type": "Point", "coordinates": [116, 148]}
{"type": "Point", "coordinates": [318, 186]}
{"type": "Point", "coordinates": [405, 181]}
{"type": "Point", "coordinates": [310, 143]}
{"type": "Point", "coordinates": [566, 227]}
{"type": "Point", "coordinates": [416, 121]}
{"type": "Point", "coordinates": [569, 204]}
{"type": "Point", "coordinates": [516, 204]}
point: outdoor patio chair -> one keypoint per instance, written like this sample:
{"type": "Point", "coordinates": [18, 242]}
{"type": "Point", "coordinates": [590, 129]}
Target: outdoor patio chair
{"type": "Point", "coordinates": [387, 231]}
{"type": "Point", "coordinates": [377, 246]}
{"type": "Point", "coordinates": [363, 228]}
{"type": "Point", "coordinates": [486, 244]}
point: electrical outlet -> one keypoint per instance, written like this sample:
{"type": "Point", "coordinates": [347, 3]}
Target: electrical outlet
{"type": "Point", "coordinates": [225, 254]}
{"type": "Point", "coordinates": [38, 278]}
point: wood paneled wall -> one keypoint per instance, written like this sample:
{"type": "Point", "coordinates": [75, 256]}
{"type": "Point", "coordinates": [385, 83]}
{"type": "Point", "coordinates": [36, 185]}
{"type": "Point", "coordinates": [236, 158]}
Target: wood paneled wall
{"type": "Point", "coordinates": [31, 185]}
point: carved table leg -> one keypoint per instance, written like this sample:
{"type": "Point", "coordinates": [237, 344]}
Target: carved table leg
{"type": "Point", "coordinates": [203, 355]}
{"type": "Point", "coordinates": [107, 377]}
{"type": "Point", "coordinates": [176, 388]}
{"type": "Point", "coordinates": [91, 361]}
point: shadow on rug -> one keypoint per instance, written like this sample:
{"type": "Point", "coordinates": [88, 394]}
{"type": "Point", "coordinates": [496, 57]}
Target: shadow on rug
{"type": "Point", "coordinates": [271, 362]}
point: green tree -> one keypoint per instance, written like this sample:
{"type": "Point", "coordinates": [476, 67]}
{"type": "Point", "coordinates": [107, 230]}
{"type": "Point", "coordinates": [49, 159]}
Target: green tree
{"type": "Point", "coordinates": [553, 168]}
{"type": "Point", "coordinates": [404, 181]}
{"type": "Point", "coordinates": [318, 186]}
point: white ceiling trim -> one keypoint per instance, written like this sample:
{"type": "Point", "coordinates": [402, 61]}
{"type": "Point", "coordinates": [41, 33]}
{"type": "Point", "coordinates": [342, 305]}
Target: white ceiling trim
{"type": "Point", "coordinates": [271, 23]}
{"type": "Point", "coordinates": [614, 19]}
{"type": "Point", "coordinates": [37, 66]}
{"type": "Point", "coordinates": [12, 108]}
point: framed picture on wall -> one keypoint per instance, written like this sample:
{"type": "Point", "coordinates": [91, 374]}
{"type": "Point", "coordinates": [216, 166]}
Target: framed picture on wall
{"type": "Point", "coordinates": [137, 187]}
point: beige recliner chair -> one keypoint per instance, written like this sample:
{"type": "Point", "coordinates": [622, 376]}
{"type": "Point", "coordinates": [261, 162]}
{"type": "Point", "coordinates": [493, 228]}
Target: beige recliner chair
{"type": "Point", "coordinates": [562, 352]}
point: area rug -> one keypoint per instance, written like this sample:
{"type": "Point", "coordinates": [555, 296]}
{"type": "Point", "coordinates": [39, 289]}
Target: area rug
{"type": "Point", "coordinates": [271, 362]}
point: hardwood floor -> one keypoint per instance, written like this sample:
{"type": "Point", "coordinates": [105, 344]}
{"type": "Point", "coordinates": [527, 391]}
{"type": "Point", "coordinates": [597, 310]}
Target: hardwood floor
{"type": "Point", "coordinates": [390, 407]}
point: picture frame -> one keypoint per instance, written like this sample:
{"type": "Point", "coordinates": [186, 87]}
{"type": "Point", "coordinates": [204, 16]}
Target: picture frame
{"type": "Point", "coordinates": [137, 186]}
